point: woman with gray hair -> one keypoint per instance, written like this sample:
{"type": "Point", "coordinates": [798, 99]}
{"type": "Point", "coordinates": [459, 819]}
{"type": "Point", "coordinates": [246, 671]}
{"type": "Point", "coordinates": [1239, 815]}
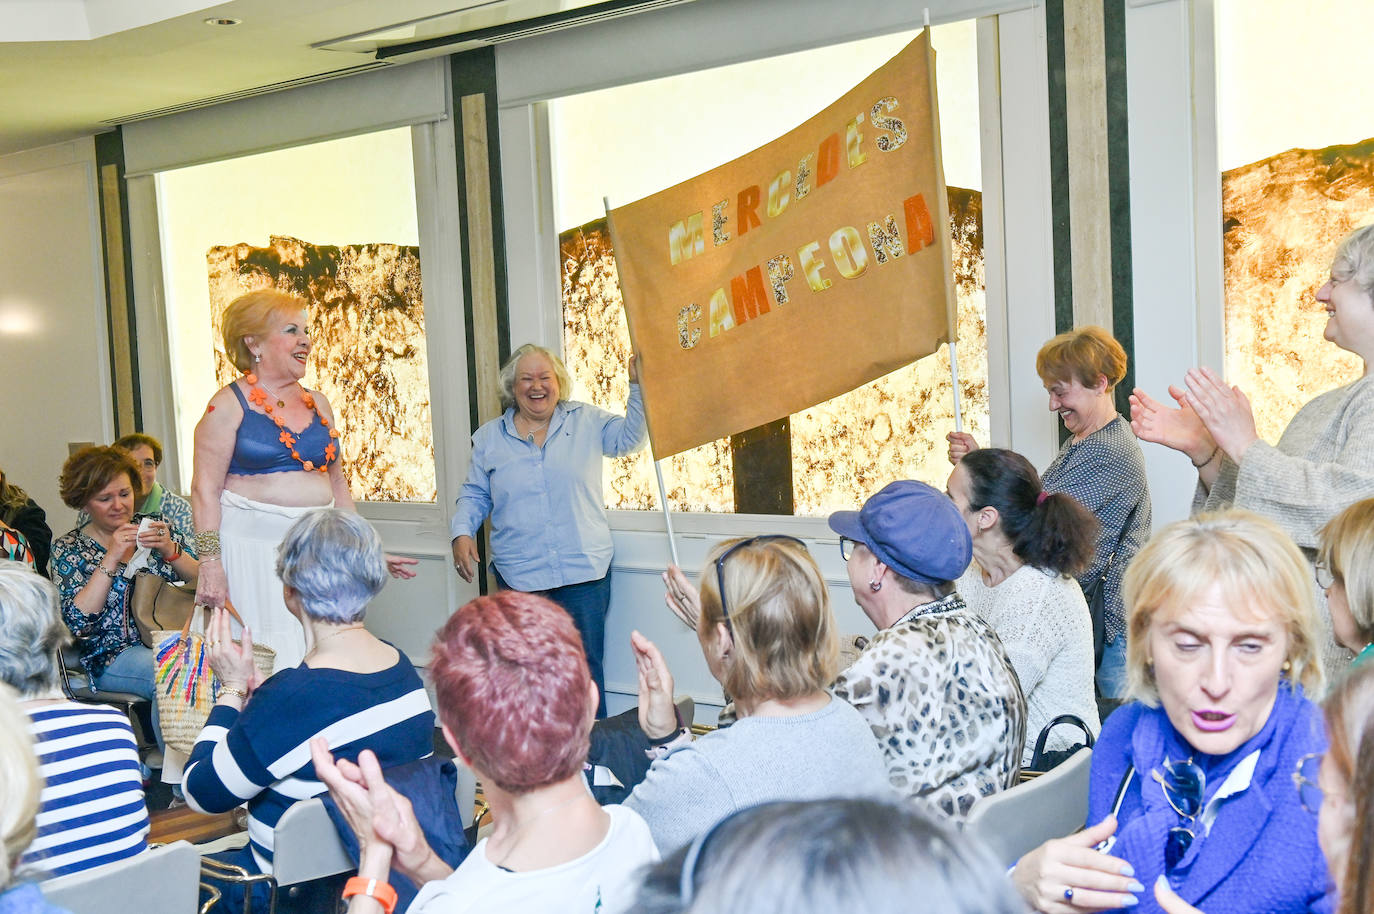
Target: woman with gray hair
{"type": "Point", "coordinates": [1324, 461]}
{"type": "Point", "coordinates": [91, 803]}
{"type": "Point", "coordinates": [829, 855]}
{"type": "Point", "coordinates": [352, 689]}
{"type": "Point", "coordinates": [536, 469]}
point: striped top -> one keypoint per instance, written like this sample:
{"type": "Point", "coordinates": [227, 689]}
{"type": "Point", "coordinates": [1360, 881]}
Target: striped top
{"type": "Point", "coordinates": [91, 806]}
{"type": "Point", "coordinates": [262, 753]}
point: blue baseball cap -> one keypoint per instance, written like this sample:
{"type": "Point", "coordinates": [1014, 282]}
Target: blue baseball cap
{"type": "Point", "coordinates": [913, 528]}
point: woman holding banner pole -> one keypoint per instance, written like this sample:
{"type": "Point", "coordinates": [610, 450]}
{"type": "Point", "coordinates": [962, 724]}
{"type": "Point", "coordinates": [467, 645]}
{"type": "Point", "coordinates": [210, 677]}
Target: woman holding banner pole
{"type": "Point", "coordinates": [1102, 466]}
{"type": "Point", "coordinates": [536, 469]}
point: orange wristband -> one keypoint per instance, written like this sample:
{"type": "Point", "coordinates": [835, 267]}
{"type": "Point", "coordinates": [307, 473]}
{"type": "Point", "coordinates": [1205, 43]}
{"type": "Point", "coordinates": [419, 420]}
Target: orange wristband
{"type": "Point", "coordinates": [379, 891]}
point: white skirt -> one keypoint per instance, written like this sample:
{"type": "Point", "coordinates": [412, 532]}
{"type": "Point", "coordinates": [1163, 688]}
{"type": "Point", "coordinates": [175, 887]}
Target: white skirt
{"type": "Point", "coordinates": [249, 534]}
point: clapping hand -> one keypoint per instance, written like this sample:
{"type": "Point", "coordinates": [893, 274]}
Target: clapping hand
{"type": "Point", "coordinates": [657, 713]}
{"type": "Point", "coordinates": [1174, 427]}
{"type": "Point", "coordinates": [682, 598]}
{"type": "Point", "coordinates": [1224, 409]}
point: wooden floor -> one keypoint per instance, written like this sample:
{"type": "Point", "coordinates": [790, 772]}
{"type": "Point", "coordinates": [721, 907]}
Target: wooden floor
{"type": "Point", "coordinates": [185, 824]}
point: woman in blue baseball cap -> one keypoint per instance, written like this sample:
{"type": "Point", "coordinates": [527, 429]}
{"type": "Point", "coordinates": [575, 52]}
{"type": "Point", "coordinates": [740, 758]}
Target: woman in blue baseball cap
{"type": "Point", "coordinates": [934, 684]}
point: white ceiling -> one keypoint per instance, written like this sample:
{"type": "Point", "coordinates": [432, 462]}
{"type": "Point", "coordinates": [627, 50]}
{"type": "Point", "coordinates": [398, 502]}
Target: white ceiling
{"type": "Point", "coordinates": [70, 68]}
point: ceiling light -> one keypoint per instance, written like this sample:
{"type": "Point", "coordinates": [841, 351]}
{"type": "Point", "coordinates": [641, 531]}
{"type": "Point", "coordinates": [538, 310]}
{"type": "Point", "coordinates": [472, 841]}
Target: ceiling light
{"type": "Point", "coordinates": [217, 20]}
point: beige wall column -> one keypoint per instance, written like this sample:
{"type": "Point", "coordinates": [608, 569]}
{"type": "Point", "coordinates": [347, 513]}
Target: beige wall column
{"type": "Point", "coordinates": [1085, 83]}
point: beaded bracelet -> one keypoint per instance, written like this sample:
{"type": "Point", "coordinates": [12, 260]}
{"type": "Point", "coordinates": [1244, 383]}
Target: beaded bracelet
{"type": "Point", "coordinates": [1210, 457]}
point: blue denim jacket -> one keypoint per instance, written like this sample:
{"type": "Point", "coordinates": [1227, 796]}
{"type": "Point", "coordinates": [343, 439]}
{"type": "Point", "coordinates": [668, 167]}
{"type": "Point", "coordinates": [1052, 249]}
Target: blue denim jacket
{"type": "Point", "coordinates": [548, 516]}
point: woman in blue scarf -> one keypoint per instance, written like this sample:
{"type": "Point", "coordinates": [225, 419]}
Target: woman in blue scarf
{"type": "Point", "coordinates": [1192, 784]}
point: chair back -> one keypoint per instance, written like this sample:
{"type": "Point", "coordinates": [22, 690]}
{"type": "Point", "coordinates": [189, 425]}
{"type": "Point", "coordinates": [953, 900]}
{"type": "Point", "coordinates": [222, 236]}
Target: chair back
{"type": "Point", "coordinates": [466, 794]}
{"type": "Point", "coordinates": [307, 846]}
{"type": "Point", "coordinates": [1021, 818]}
{"type": "Point", "coordinates": [161, 880]}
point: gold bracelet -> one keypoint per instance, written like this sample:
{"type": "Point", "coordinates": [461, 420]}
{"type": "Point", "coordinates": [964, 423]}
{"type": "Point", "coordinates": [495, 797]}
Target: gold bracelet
{"type": "Point", "coordinates": [112, 575]}
{"type": "Point", "coordinates": [230, 690]}
{"type": "Point", "coordinates": [207, 543]}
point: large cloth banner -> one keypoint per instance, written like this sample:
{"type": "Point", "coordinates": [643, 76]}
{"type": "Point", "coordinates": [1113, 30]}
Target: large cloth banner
{"type": "Point", "coordinates": [797, 272]}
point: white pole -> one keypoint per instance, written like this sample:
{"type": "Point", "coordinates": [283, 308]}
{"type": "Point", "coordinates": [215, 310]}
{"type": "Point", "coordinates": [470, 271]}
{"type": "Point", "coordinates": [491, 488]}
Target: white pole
{"type": "Point", "coordinates": [658, 469]}
{"type": "Point", "coordinates": [954, 378]}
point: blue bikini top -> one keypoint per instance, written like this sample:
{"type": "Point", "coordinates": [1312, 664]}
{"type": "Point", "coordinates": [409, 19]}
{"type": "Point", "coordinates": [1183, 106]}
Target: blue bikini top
{"type": "Point", "coordinates": [258, 448]}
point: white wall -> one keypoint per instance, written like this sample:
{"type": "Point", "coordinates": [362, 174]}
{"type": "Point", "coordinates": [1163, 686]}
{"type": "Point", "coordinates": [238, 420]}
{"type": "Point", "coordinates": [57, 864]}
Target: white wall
{"type": "Point", "coordinates": [1175, 216]}
{"type": "Point", "coordinates": [55, 376]}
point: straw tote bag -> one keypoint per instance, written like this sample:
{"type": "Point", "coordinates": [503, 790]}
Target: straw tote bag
{"type": "Point", "coordinates": [186, 688]}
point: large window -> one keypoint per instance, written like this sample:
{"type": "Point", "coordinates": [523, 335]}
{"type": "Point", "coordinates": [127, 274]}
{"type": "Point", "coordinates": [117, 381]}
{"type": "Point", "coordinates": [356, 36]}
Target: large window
{"type": "Point", "coordinates": [334, 222]}
{"type": "Point", "coordinates": [1294, 141]}
{"type": "Point", "coordinates": [631, 141]}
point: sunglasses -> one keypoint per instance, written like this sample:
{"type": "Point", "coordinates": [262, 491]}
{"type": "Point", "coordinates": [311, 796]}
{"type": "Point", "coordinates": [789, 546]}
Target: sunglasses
{"type": "Point", "coordinates": [1183, 783]}
{"type": "Point", "coordinates": [1305, 779]}
{"type": "Point", "coordinates": [720, 563]}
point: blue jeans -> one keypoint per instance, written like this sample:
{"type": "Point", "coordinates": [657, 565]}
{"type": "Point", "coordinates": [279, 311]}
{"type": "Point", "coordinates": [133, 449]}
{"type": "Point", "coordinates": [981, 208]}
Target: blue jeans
{"type": "Point", "coordinates": [132, 671]}
{"type": "Point", "coordinates": [1111, 673]}
{"type": "Point", "coordinates": [587, 603]}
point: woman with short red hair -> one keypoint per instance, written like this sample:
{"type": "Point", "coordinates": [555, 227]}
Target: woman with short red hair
{"type": "Point", "coordinates": [516, 703]}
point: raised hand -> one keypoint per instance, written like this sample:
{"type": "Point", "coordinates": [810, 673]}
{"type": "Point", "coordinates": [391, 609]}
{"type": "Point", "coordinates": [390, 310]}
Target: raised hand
{"type": "Point", "coordinates": [1174, 427]}
{"type": "Point", "coordinates": [960, 444]}
{"type": "Point", "coordinates": [682, 598]}
{"type": "Point", "coordinates": [657, 713]}
{"type": "Point", "coordinates": [1224, 409]}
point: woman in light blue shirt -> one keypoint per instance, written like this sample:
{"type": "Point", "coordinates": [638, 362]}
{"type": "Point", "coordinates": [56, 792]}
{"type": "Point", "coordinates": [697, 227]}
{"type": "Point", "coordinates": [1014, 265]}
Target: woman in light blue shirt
{"type": "Point", "coordinates": [536, 469]}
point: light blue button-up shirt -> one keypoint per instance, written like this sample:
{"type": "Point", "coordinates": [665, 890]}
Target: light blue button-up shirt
{"type": "Point", "coordinates": [548, 515]}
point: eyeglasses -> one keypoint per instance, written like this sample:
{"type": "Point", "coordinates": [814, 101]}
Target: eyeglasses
{"type": "Point", "coordinates": [720, 563]}
{"type": "Point", "coordinates": [1305, 779]}
{"type": "Point", "coordinates": [1325, 576]}
{"type": "Point", "coordinates": [847, 547]}
{"type": "Point", "coordinates": [1183, 784]}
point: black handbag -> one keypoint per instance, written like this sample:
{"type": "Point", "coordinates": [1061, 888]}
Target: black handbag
{"type": "Point", "coordinates": [1042, 761]}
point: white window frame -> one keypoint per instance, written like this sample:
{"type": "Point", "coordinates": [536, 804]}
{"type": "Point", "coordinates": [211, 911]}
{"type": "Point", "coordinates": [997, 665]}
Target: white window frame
{"type": "Point", "coordinates": [1016, 201]}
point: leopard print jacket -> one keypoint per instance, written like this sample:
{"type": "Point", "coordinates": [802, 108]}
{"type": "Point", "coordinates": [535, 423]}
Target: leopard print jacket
{"type": "Point", "coordinates": [945, 704]}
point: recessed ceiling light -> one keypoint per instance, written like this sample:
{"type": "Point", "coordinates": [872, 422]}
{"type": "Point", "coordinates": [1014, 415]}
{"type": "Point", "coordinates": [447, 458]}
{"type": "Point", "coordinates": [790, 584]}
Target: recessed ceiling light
{"type": "Point", "coordinates": [216, 20]}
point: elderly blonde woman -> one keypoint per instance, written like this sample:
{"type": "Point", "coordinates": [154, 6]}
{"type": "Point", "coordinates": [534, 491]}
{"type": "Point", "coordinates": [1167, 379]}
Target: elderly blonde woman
{"type": "Point", "coordinates": [1192, 785]}
{"type": "Point", "coordinates": [1324, 460]}
{"type": "Point", "coordinates": [1345, 573]}
{"type": "Point", "coordinates": [768, 636]}
{"type": "Point", "coordinates": [92, 796]}
{"type": "Point", "coordinates": [1101, 465]}
{"type": "Point", "coordinates": [267, 451]}
{"type": "Point", "coordinates": [536, 469]}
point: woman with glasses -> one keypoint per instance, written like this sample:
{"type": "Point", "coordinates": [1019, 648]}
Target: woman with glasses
{"type": "Point", "coordinates": [1027, 543]}
{"type": "Point", "coordinates": [768, 636]}
{"type": "Point", "coordinates": [1345, 575]}
{"type": "Point", "coordinates": [1325, 458]}
{"type": "Point", "coordinates": [1192, 783]}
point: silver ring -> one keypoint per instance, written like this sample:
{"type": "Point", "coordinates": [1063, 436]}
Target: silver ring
{"type": "Point", "coordinates": [1068, 893]}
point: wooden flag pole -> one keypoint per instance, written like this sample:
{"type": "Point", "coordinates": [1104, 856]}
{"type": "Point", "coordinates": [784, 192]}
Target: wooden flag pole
{"type": "Point", "coordinates": [954, 379]}
{"type": "Point", "coordinates": [658, 469]}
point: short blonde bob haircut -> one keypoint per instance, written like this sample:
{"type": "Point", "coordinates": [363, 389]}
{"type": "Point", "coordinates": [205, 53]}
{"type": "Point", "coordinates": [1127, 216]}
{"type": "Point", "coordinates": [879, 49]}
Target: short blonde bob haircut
{"type": "Point", "coordinates": [1259, 569]}
{"type": "Point", "coordinates": [254, 314]}
{"type": "Point", "coordinates": [560, 371]}
{"type": "Point", "coordinates": [1084, 353]}
{"type": "Point", "coordinates": [1346, 545]}
{"type": "Point", "coordinates": [785, 643]}
{"type": "Point", "coordinates": [19, 785]}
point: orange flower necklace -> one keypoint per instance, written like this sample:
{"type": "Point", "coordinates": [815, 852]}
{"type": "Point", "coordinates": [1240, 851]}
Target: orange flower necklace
{"type": "Point", "coordinates": [259, 396]}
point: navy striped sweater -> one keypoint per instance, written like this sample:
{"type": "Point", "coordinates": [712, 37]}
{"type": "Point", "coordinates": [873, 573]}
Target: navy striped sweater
{"type": "Point", "coordinates": [262, 753]}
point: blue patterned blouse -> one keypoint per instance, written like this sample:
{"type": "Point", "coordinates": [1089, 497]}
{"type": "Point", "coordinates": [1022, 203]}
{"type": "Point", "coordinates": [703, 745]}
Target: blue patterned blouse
{"type": "Point", "coordinates": [103, 636]}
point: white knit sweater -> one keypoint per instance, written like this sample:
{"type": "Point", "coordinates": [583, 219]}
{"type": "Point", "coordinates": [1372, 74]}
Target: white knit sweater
{"type": "Point", "coordinates": [1044, 625]}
